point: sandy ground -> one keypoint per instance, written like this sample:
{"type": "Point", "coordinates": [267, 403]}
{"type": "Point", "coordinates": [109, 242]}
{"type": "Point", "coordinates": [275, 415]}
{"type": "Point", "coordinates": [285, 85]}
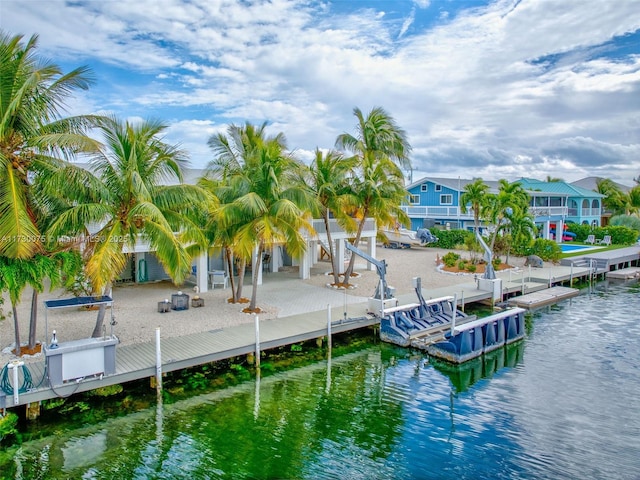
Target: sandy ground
{"type": "Point", "coordinates": [282, 294]}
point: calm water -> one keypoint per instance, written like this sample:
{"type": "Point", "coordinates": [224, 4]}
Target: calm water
{"type": "Point", "coordinates": [563, 404]}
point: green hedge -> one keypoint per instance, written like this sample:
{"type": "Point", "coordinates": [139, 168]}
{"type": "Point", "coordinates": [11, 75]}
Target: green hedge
{"type": "Point", "coordinates": [547, 250]}
{"type": "Point", "coordinates": [450, 238]}
{"type": "Point", "coordinates": [619, 235]}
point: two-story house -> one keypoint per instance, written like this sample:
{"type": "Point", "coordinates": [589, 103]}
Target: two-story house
{"type": "Point", "coordinates": [436, 202]}
{"type": "Point", "coordinates": [554, 204]}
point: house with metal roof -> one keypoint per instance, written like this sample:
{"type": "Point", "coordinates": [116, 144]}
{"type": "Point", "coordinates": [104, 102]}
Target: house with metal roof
{"type": "Point", "coordinates": [435, 202]}
{"type": "Point", "coordinates": [554, 204]}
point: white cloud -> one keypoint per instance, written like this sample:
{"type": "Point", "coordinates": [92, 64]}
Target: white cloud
{"type": "Point", "coordinates": [478, 91]}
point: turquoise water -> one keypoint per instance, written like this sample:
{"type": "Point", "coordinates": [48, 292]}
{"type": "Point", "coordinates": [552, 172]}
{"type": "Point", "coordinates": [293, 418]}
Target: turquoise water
{"type": "Point", "coordinates": [565, 247]}
{"type": "Point", "coordinates": [562, 404]}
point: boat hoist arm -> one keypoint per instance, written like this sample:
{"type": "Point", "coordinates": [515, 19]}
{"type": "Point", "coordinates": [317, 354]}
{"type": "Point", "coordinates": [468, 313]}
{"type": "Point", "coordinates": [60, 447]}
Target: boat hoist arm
{"type": "Point", "coordinates": [381, 267]}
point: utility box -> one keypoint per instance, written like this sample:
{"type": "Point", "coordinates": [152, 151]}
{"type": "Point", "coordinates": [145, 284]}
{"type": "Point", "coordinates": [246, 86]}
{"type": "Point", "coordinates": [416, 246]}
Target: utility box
{"type": "Point", "coordinates": [493, 285]}
{"type": "Point", "coordinates": [81, 358]}
{"type": "Point", "coordinates": [375, 304]}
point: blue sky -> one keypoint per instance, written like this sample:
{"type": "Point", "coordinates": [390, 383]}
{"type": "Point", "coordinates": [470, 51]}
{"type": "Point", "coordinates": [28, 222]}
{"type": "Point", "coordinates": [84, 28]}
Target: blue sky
{"type": "Point", "coordinates": [491, 89]}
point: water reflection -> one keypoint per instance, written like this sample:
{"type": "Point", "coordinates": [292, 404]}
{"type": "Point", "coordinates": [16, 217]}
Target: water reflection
{"type": "Point", "coordinates": [558, 405]}
{"type": "Point", "coordinates": [465, 375]}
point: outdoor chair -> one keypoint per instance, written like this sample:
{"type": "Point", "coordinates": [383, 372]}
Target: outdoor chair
{"type": "Point", "coordinates": [590, 239]}
{"type": "Point", "coordinates": [604, 241]}
{"type": "Point", "coordinates": [219, 277]}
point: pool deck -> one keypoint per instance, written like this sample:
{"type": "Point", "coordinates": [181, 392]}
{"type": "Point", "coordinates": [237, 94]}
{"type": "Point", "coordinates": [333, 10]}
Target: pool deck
{"type": "Point", "coordinates": [138, 361]}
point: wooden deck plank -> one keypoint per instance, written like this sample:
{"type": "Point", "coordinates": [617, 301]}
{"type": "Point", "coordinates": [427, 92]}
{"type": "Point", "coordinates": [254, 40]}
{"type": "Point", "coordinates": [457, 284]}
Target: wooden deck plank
{"type": "Point", "coordinates": [544, 297]}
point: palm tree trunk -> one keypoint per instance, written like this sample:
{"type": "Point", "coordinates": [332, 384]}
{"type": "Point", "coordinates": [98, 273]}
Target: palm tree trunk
{"type": "Point", "coordinates": [356, 242]}
{"type": "Point", "coordinates": [256, 272]}
{"type": "Point", "coordinates": [241, 271]}
{"type": "Point", "coordinates": [332, 256]}
{"type": "Point", "coordinates": [33, 320]}
{"type": "Point", "coordinates": [232, 283]}
{"type": "Point", "coordinates": [16, 328]}
{"type": "Point", "coordinates": [97, 330]}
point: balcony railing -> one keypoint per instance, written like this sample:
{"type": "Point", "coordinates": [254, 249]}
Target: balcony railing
{"type": "Point", "coordinates": [436, 212]}
{"type": "Point", "coordinates": [335, 228]}
{"type": "Point", "coordinates": [548, 211]}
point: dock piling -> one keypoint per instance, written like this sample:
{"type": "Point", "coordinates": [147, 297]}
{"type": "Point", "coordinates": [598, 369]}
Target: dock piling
{"type": "Point", "coordinates": [257, 323]}
{"type": "Point", "coordinates": [454, 313]}
{"type": "Point", "coordinates": [158, 363]}
{"type": "Point", "coordinates": [329, 327]}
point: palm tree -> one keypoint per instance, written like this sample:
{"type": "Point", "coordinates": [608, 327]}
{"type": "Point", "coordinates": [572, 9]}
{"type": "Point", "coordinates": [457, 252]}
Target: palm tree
{"type": "Point", "coordinates": [34, 141]}
{"type": "Point", "coordinates": [274, 209]}
{"type": "Point", "coordinates": [33, 137]}
{"type": "Point", "coordinates": [510, 197]}
{"type": "Point", "coordinates": [521, 228]}
{"type": "Point", "coordinates": [379, 146]}
{"type": "Point", "coordinates": [17, 273]}
{"type": "Point", "coordinates": [618, 201]}
{"type": "Point", "coordinates": [634, 200]}
{"type": "Point", "coordinates": [219, 238]}
{"type": "Point", "coordinates": [551, 179]}
{"type": "Point", "coordinates": [233, 152]}
{"type": "Point", "coordinates": [327, 180]}
{"type": "Point", "coordinates": [475, 196]}
{"type": "Point", "coordinates": [125, 195]}
{"type": "Point", "coordinates": [615, 199]}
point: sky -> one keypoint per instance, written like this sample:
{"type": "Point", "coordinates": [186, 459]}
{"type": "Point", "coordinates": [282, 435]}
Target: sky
{"type": "Point", "coordinates": [489, 89]}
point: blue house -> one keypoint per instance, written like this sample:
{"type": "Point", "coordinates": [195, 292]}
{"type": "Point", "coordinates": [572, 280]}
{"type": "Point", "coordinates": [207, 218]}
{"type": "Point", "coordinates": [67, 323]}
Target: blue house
{"type": "Point", "coordinates": [435, 202]}
{"type": "Point", "coordinates": [554, 204]}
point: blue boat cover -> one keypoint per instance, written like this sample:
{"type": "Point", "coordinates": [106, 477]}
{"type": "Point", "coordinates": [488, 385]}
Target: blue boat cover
{"type": "Point", "coordinates": [78, 302]}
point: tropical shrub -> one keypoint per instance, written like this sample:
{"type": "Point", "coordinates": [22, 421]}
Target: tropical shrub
{"type": "Point", "coordinates": [451, 238]}
{"type": "Point", "coordinates": [629, 221]}
{"type": "Point", "coordinates": [620, 235]}
{"type": "Point", "coordinates": [450, 259]}
{"type": "Point", "coordinates": [8, 424]}
{"type": "Point", "coordinates": [547, 250]}
{"type": "Point", "coordinates": [581, 231]}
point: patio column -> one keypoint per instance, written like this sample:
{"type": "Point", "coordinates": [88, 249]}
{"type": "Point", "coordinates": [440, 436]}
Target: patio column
{"type": "Point", "coordinates": [559, 231]}
{"type": "Point", "coordinates": [202, 273]}
{"type": "Point", "coordinates": [304, 268]}
{"type": "Point", "coordinates": [371, 251]}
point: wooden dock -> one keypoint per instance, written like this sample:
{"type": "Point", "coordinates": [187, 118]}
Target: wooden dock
{"type": "Point", "coordinates": [624, 273]}
{"type": "Point", "coordinates": [138, 361]}
{"type": "Point", "coordinates": [544, 297]}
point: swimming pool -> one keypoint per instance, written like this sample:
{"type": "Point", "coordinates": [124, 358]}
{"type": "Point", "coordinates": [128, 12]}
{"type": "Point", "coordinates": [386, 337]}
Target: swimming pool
{"type": "Point", "coordinates": [568, 248]}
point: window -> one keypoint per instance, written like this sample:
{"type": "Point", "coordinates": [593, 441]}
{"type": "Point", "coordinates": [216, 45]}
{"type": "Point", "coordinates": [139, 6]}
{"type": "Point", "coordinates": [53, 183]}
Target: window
{"type": "Point", "coordinates": [446, 199]}
{"type": "Point", "coordinates": [414, 199]}
{"type": "Point", "coordinates": [438, 188]}
{"type": "Point", "coordinates": [423, 187]}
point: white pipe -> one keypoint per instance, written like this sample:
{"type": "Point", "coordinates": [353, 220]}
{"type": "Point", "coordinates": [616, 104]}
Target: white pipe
{"type": "Point", "coordinates": [158, 362]}
{"type": "Point", "coordinates": [257, 323]}
{"type": "Point", "coordinates": [16, 394]}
